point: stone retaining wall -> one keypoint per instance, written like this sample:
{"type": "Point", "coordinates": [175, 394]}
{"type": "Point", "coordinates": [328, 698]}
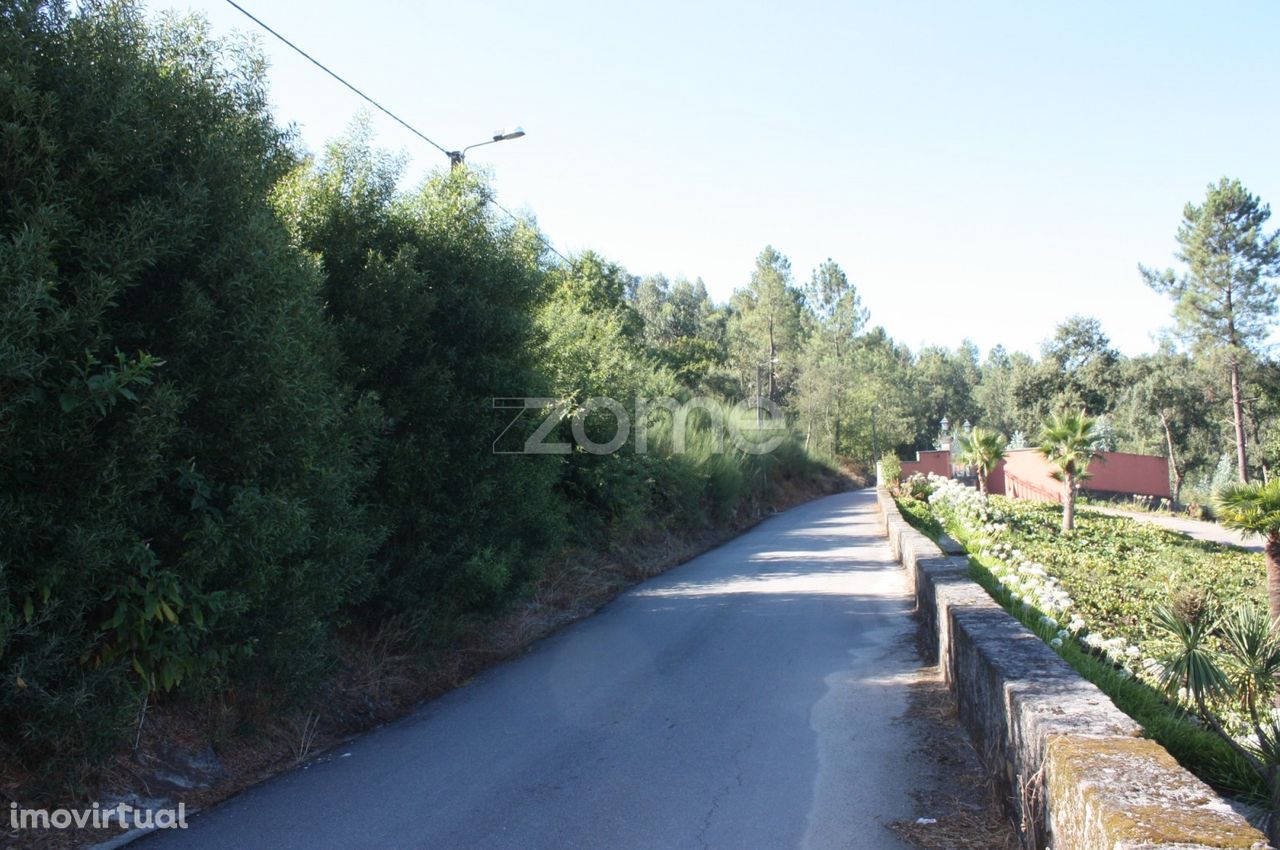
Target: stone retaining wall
{"type": "Point", "coordinates": [1074, 767]}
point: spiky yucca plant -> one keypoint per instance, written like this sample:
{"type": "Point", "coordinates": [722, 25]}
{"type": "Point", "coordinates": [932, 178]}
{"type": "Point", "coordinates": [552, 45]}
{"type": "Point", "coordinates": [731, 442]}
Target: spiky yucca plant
{"type": "Point", "coordinates": [1241, 670]}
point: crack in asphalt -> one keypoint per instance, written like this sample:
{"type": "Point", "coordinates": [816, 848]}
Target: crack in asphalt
{"type": "Point", "coordinates": [726, 789]}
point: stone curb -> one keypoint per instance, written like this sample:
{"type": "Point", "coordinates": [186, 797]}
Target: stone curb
{"type": "Point", "coordinates": [1073, 767]}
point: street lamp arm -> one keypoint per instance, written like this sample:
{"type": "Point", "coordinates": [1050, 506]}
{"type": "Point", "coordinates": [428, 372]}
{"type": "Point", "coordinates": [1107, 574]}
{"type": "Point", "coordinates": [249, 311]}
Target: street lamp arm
{"type": "Point", "coordinates": [480, 145]}
{"type": "Point", "coordinates": [458, 157]}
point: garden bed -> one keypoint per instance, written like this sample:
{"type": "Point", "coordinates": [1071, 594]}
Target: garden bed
{"type": "Point", "coordinates": [1091, 595]}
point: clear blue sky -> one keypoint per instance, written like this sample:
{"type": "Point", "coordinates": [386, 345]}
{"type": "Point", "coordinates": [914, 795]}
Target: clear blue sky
{"type": "Point", "coordinates": [980, 170]}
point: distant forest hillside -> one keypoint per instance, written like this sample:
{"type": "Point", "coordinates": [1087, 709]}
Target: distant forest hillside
{"type": "Point", "coordinates": [846, 387]}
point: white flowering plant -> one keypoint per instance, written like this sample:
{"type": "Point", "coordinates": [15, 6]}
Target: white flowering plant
{"type": "Point", "coordinates": [1020, 547]}
{"type": "Point", "coordinates": [918, 486]}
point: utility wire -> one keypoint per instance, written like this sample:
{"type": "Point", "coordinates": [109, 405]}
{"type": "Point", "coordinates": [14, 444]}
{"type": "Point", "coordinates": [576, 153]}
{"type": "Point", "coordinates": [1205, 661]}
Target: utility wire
{"type": "Point", "coordinates": [305, 55]}
{"type": "Point", "coordinates": [548, 245]}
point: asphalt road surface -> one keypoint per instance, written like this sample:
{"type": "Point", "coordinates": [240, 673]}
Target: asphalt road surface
{"type": "Point", "coordinates": [754, 697]}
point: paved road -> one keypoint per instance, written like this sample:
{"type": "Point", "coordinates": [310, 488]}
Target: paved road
{"type": "Point", "coordinates": [751, 698]}
{"type": "Point", "coordinates": [1198, 529]}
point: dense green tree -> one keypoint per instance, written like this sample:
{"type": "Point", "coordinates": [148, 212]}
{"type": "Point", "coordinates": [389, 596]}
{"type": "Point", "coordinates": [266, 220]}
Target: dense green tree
{"type": "Point", "coordinates": [836, 304]}
{"type": "Point", "coordinates": [587, 350]}
{"type": "Point", "coordinates": [179, 470]}
{"type": "Point", "coordinates": [1078, 369]}
{"type": "Point", "coordinates": [1081, 367]}
{"type": "Point", "coordinates": [1262, 410]}
{"type": "Point", "coordinates": [683, 328]}
{"type": "Point", "coordinates": [827, 373]}
{"type": "Point", "coordinates": [1034, 388]}
{"type": "Point", "coordinates": [766, 327]}
{"type": "Point", "coordinates": [1165, 410]}
{"type": "Point", "coordinates": [650, 297]}
{"type": "Point", "coordinates": [999, 404]}
{"type": "Point", "coordinates": [247, 399]}
{"type": "Point", "coordinates": [992, 395]}
{"type": "Point", "coordinates": [881, 403]}
{"type": "Point", "coordinates": [432, 297]}
{"type": "Point", "coordinates": [1225, 300]}
{"type": "Point", "coordinates": [943, 383]}
{"type": "Point", "coordinates": [595, 284]}
{"type": "Point", "coordinates": [585, 334]}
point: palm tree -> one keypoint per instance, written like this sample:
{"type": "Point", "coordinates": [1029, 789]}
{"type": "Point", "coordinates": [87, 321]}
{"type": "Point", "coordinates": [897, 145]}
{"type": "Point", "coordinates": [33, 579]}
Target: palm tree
{"type": "Point", "coordinates": [1255, 508]}
{"type": "Point", "coordinates": [982, 449]}
{"type": "Point", "coordinates": [1067, 443]}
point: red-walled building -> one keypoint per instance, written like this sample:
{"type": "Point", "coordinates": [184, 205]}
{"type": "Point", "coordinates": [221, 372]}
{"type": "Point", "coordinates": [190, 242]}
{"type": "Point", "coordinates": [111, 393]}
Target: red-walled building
{"type": "Point", "coordinates": [937, 462]}
{"type": "Point", "coordinates": [1025, 474]}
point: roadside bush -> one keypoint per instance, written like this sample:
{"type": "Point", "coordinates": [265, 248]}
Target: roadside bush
{"type": "Point", "coordinates": [432, 298]}
{"type": "Point", "coordinates": [891, 471]}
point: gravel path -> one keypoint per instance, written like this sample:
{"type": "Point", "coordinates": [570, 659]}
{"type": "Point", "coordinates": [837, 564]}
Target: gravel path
{"type": "Point", "coordinates": [1198, 529]}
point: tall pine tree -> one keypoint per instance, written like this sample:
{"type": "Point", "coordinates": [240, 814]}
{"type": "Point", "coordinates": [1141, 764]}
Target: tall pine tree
{"type": "Point", "coordinates": [1225, 299]}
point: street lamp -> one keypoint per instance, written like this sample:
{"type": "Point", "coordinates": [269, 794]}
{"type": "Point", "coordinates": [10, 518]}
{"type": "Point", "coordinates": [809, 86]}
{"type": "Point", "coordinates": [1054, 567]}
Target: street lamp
{"type": "Point", "coordinates": [458, 157]}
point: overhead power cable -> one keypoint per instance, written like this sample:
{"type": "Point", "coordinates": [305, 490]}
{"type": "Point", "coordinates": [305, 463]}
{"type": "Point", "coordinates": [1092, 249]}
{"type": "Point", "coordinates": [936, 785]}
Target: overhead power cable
{"type": "Point", "coordinates": [305, 55]}
{"type": "Point", "coordinates": [536, 233]}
